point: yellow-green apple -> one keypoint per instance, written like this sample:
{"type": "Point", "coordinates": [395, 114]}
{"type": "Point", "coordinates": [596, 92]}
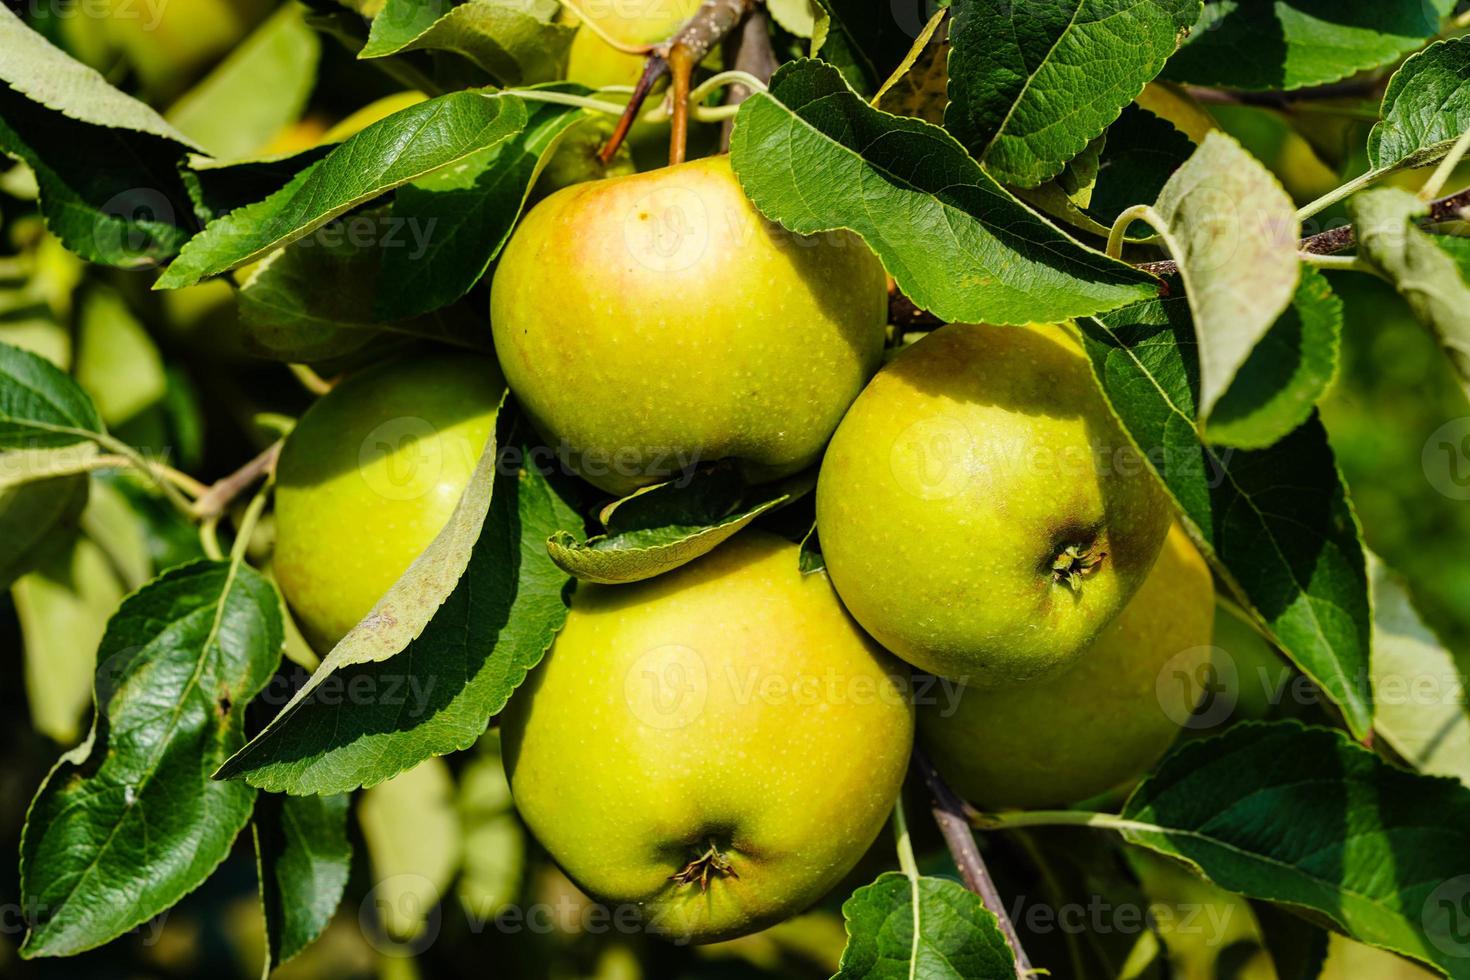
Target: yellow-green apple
{"type": "Point", "coordinates": [653, 322]}
{"type": "Point", "coordinates": [370, 476]}
{"type": "Point", "coordinates": [979, 509]}
{"type": "Point", "coordinates": [1104, 721]}
{"type": "Point", "coordinates": [712, 749]}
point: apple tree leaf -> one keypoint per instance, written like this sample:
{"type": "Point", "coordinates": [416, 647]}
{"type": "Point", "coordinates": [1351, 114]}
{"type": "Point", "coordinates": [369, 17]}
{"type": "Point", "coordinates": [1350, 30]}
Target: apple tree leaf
{"type": "Point", "coordinates": [412, 833]}
{"type": "Point", "coordinates": [30, 514]}
{"type": "Point", "coordinates": [1142, 151]}
{"type": "Point", "coordinates": [225, 113]}
{"type": "Point", "coordinates": [1309, 819]}
{"type": "Point", "coordinates": [314, 299]}
{"type": "Point", "coordinates": [1426, 108]}
{"type": "Point", "coordinates": [464, 215]}
{"type": "Point", "coordinates": [106, 164]}
{"type": "Point", "coordinates": [130, 821]}
{"type": "Point", "coordinates": [303, 858]}
{"type": "Point", "coordinates": [517, 41]}
{"type": "Point", "coordinates": [1275, 523]}
{"type": "Point", "coordinates": [919, 86]}
{"type": "Point", "coordinates": [407, 145]}
{"type": "Point", "coordinates": [662, 527]}
{"type": "Point", "coordinates": [1233, 231]}
{"type": "Point", "coordinates": [441, 652]}
{"type": "Point", "coordinates": [41, 407]}
{"type": "Point", "coordinates": [866, 44]}
{"type": "Point", "coordinates": [922, 927]}
{"type": "Point", "coordinates": [494, 840]}
{"type": "Point", "coordinates": [1422, 712]}
{"type": "Point", "coordinates": [1289, 44]}
{"type": "Point", "coordinates": [957, 243]}
{"type": "Point", "coordinates": [1031, 84]}
{"type": "Point", "coordinates": [1287, 373]}
{"type": "Point", "coordinates": [1426, 273]}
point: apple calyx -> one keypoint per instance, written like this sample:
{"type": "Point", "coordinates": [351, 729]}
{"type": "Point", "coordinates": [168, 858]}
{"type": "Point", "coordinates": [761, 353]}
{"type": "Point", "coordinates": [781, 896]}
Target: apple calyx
{"type": "Point", "coordinates": [700, 869]}
{"type": "Point", "coordinates": [1073, 562]}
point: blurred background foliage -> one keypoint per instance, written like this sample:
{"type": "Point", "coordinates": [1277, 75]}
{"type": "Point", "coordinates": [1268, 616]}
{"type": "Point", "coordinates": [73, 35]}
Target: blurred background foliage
{"type": "Point", "coordinates": [169, 376]}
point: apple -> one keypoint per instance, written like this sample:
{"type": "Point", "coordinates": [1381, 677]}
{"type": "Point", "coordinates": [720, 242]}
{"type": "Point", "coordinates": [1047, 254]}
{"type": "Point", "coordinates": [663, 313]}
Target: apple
{"type": "Point", "coordinates": [168, 44]}
{"type": "Point", "coordinates": [595, 63]}
{"type": "Point", "coordinates": [369, 477]}
{"type": "Point", "coordinates": [653, 322]}
{"type": "Point", "coordinates": [980, 512]}
{"type": "Point", "coordinates": [1103, 722]}
{"type": "Point", "coordinates": [714, 748]}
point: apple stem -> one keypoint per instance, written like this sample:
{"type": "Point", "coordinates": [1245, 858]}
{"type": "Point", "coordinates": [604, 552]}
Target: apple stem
{"type": "Point", "coordinates": [709, 25]}
{"type": "Point", "coordinates": [950, 813]}
{"type": "Point", "coordinates": [681, 69]}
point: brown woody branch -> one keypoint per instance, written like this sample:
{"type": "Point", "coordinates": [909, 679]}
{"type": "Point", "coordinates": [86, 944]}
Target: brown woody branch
{"type": "Point", "coordinates": [678, 56]}
{"type": "Point", "coordinates": [950, 813]}
{"type": "Point", "coordinates": [905, 316]}
{"type": "Point", "coordinates": [222, 493]}
{"type": "Point", "coordinates": [1336, 240]}
{"type": "Point", "coordinates": [748, 50]}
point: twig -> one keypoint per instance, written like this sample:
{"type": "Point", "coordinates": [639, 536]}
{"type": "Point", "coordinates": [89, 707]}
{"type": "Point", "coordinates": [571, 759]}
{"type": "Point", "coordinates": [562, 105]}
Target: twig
{"type": "Point", "coordinates": [710, 24]}
{"type": "Point", "coordinates": [1365, 88]}
{"type": "Point", "coordinates": [748, 50]}
{"type": "Point", "coordinates": [1341, 239]}
{"type": "Point", "coordinates": [223, 492]}
{"type": "Point", "coordinates": [950, 814]}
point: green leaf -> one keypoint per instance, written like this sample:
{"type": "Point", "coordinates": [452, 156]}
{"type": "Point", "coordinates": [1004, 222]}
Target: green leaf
{"type": "Point", "coordinates": [957, 243]}
{"type": "Point", "coordinates": [796, 17]}
{"type": "Point", "coordinates": [1298, 948]}
{"type": "Point", "coordinates": [1286, 374]}
{"type": "Point", "coordinates": [63, 606]}
{"type": "Point", "coordinates": [117, 362]}
{"type": "Point", "coordinates": [106, 164]}
{"type": "Point", "coordinates": [407, 145]}
{"type": "Point", "coordinates": [129, 822]}
{"type": "Point", "coordinates": [662, 527]}
{"type": "Point", "coordinates": [465, 215]}
{"type": "Point", "coordinates": [494, 842]}
{"type": "Point", "coordinates": [30, 513]}
{"type": "Point", "coordinates": [440, 653]}
{"type": "Point", "coordinates": [1305, 817]}
{"type": "Point", "coordinates": [226, 114]}
{"type": "Point", "coordinates": [934, 928]}
{"type": "Point", "coordinates": [412, 833]}
{"type": "Point", "coordinates": [1422, 713]}
{"type": "Point", "coordinates": [1141, 153]}
{"type": "Point", "coordinates": [867, 45]}
{"type": "Point", "coordinates": [303, 858]}
{"type": "Point", "coordinates": [1426, 108]}
{"type": "Point", "coordinates": [1031, 84]}
{"type": "Point", "coordinates": [1427, 276]}
{"type": "Point", "coordinates": [1291, 44]}
{"type": "Point", "coordinates": [1275, 523]}
{"type": "Point", "coordinates": [517, 41]}
{"type": "Point", "coordinates": [1233, 230]}
{"type": "Point", "coordinates": [919, 87]}
{"type": "Point", "coordinates": [314, 299]}
{"type": "Point", "coordinates": [41, 407]}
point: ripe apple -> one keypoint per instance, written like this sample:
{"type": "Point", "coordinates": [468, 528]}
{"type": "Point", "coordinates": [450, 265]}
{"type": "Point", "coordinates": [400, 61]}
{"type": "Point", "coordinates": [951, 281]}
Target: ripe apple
{"type": "Point", "coordinates": [595, 63]}
{"type": "Point", "coordinates": [980, 512]}
{"type": "Point", "coordinates": [369, 476]}
{"type": "Point", "coordinates": [653, 322]}
{"type": "Point", "coordinates": [715, 747]}
{"type": "Point", "coordinates": [1064, 739]}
